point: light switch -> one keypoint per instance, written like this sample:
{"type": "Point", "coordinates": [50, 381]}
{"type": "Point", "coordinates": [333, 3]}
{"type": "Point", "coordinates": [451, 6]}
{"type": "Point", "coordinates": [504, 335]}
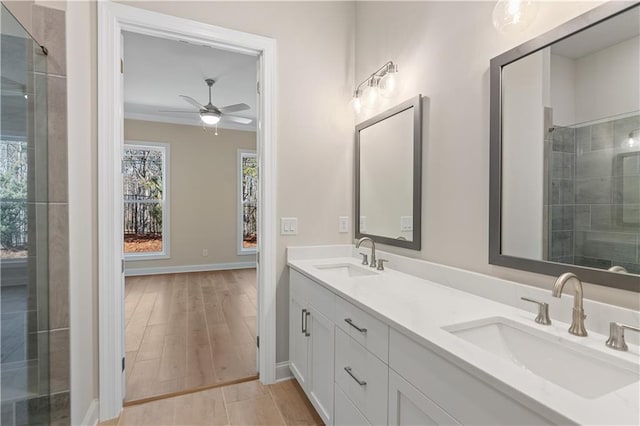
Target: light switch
{"type": "Point", "coordinates": [406, 223]}
{"type": "Point", "coordinates": [288, 226]}
{"type": "Point", "coordinates": [363, 224]}
{"type": "Point", "coordinates": [343, 224]}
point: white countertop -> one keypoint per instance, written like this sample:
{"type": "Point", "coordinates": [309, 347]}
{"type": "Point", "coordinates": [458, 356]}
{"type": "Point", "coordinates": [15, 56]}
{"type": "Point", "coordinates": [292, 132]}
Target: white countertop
{"type": "Point", "coordinates": [419, 308]}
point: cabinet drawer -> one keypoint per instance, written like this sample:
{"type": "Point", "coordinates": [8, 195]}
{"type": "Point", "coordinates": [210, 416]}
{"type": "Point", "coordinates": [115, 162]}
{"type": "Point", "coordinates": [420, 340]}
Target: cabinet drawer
{"type": "Point", "coordinates": [370, 332]}
{"type": "Point", "coordinates": [458, 392]}
{"type": "Point", "coordinates": [346, 413]}
{"type": "Point", "coordinates": [362, 377]}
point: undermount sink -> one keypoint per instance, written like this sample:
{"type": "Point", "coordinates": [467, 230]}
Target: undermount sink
{"type": "Point", "coordinates": [576, 368]}
{"type": "Point", "coordinates": [346, 270]}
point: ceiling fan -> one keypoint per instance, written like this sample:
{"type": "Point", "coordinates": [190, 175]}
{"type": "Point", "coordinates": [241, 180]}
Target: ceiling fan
{"type": "Point", "coordinates": [211, 114]}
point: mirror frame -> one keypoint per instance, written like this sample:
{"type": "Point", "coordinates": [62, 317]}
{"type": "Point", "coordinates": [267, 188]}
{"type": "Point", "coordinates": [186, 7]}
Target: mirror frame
{"type": "Point", "coordinates": [416, 104]}
{"type": "Point", "coordinates": [596, 276]}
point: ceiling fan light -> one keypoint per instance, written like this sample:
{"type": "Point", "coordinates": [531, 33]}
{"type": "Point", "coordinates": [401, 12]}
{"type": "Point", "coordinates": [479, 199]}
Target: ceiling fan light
{"type": "Point", "coordinates": [209, 117]}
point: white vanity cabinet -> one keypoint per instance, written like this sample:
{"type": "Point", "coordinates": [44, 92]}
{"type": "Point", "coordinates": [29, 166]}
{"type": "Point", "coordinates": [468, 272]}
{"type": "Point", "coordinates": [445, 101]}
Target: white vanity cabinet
{"type": "Point", "coordinates": [311, 341]}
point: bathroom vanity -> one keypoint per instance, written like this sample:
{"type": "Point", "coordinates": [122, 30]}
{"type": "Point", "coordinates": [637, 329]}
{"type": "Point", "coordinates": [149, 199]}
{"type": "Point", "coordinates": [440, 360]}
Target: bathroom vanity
{"type": "Point", "coordinates": [421, 343]}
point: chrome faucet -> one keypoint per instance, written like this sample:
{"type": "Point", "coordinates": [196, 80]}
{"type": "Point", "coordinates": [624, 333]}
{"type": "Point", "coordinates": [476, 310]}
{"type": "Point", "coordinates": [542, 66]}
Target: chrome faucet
{"type": "Point", "coordinates": [577, 324]}
{"type": "Point", "coordinates": [372, 264]}
{"type": "Point", "coordinates": [618, 269]}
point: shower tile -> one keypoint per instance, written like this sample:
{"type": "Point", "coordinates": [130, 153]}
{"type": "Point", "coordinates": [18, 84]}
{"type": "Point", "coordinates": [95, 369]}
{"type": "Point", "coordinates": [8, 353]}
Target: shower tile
{"type": "Point", "coordinates": [602, 136]}
{"type": "Point", "coordinates": [562, 218]}
{"type": "Point", "coordinates": [583, 140]}
{"type": "Point", "coordinates": [60, 409]}
{"type": "Point", "coordinates": [59, 360]}
{"type": "Point", "coordinates": [58, 266]}
{"type": "Point", "coordinates": [49, 29]}
{"type": "Point", "coordinates": [594, 191]}
{"type": "Point", "coordinates": [583, 217]}
{"type": "Point", "coordinates": [7, 416]}
{"type": "Point", "coordinates": [594, 164]}
{"type": "Point", "coordinates": [562, 191]}
{"type": "Point", "coordinates": [57, 139]}
{"type": "Point", "coordinates": [43, 363]}
{"type": "Point", "coordinates": [591, 262]}
{"type": "Point", "coordinates": [606, 245]}
{"type": "Point", "coordinates": [561, 244]}
{"type": "Point", "coordinates": [564, 140]}
{"type": "Point", "coordinates": [562, 165]}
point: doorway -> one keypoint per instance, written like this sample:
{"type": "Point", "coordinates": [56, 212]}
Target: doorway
{"type": "Point", "coordinates": [114, 19]}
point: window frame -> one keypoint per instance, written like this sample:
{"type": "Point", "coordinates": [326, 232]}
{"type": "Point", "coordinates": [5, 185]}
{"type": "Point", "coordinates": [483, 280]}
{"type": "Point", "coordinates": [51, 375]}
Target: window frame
{"type": "Point", "coordinates": [164, 148]}
{"type": "Point", "coordinates": [242, 153]}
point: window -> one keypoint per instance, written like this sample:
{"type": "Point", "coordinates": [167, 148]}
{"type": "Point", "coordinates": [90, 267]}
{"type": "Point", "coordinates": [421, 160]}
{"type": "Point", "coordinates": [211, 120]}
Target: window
{"type": "Point", "coordinates": [14, 167]}
{"type": "Point", "coordinates": [145, 206]}
{"type": "Point", "coordinates": [248, 202]}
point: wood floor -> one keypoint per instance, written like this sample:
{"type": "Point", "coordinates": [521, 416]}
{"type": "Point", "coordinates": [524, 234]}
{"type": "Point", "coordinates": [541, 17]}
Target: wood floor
{"type": "Point", "coordinates": [249, 403]}
{"type": "Point", "coordinates": [189, 330]}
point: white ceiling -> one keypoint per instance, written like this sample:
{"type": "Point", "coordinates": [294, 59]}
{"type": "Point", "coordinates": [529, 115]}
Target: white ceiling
{"type": "Point", "coordinates": [605, 34]}
{"type": "Point", "coordinates": [157, 70]}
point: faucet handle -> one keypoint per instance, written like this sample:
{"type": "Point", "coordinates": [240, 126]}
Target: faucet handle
{"type": "Point", "coordinates": [381, 264]}
{"type": "Point", "coordinates": [616, 336]}
{"type": "Point", "coordinates": [543, 311]}
{"type": "Point", "coordinates": [365, 258]}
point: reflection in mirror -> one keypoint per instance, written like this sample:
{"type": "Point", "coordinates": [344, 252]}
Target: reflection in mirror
{"type": "Point", "coordinates": [386, 174]}
{"type": "Point", "coordinates": [570, 147]}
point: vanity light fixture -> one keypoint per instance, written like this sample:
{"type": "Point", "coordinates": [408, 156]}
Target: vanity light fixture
{"type": "Point", "coordinates": [381, 82]}
{"type": "Point", "coordinates": [510, 16]}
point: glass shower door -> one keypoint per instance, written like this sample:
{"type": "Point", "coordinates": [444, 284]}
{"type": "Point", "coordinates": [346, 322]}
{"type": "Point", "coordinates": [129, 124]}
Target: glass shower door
{"type": "Point", "coordinates": [24, 286]}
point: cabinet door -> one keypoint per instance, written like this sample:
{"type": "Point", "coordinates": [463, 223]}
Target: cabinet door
{"type": "Point", "coordinates": [320, 380]}
{"type": "Point", "coordinates": [408, 406]}
{"type": "Point", "coordinates": [298, 340]}
{"type": "Point", "coordinates": [346, 413]}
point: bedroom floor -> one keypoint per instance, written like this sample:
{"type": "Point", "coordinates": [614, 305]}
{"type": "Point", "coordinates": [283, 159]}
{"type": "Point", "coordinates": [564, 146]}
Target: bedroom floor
{"type": "Point", "coordinates": [249, 403]}
{"type": "Point", "coordinates": [189, 330]}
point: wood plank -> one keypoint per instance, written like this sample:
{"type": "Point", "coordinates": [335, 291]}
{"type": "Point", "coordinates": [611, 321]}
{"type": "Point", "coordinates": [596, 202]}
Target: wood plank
{"type": "Point", "coordinates": [293, 404]}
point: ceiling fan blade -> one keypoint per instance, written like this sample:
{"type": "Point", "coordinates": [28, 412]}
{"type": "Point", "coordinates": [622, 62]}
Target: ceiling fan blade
{"type": "Point", "coordinates": [192, 102]}
{"type": "Point", "coordinates": [234, 108]}
{"type": "Point", "coordinates": [236, 119]}
{"type": "Point", "coordinates": [180, 111]}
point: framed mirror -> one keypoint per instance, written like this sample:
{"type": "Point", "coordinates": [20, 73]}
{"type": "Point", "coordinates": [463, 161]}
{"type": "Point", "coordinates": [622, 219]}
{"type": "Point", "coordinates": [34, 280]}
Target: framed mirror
{"type": "Point", "coordinates": [389, 175]}
{"type": "Point", "coordinates": [565, 150]}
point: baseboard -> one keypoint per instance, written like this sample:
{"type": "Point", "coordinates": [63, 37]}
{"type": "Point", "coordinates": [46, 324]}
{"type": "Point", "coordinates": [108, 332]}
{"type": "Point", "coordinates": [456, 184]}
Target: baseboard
{"type": "Point", "coordinates": [132, 272]}
{"type": "Point", "coordinates": [283, 372]}
{"type": "Point", "coordinates": [92, 416]}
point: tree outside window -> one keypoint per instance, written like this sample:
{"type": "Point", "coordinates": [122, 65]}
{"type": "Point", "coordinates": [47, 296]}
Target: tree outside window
{"type": "Point", "coordinates": [144, 200]}
{"type": "Point", "coordinates": [248, 201]}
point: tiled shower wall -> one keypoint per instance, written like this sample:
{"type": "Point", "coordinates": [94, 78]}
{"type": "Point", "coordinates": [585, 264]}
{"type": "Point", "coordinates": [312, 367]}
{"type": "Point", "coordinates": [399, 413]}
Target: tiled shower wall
{"type": "Point", "coordinates": [607, 195]}
{"type": "Point", "coordinates": [47, 26]}
{"type": "Point", "coordinates": [594, 195]}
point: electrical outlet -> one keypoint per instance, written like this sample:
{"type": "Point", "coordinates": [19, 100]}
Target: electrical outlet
{"type": "Point", "coordinates": [288, 226]}
{"type": "Point", "coordinates": [363, 224]}
{"type": "Point", "coordinates": [343, 224]}
{"type": "Point", "coordinates": [205, 252]}
{"type": "Point", "coordinates": [406, 223]}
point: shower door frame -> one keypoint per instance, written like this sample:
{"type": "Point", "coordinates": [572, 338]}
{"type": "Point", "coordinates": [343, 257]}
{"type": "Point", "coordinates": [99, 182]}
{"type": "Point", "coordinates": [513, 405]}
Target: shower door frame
{"type": "Point", "coordinates": [114, 18]}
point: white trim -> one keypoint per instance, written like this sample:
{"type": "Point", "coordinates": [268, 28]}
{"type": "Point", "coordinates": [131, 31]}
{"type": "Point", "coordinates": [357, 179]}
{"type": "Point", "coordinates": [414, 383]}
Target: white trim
{"type": "Point", "coordinates": [239, 217]}
{"type": "Point", "coordinates": [134, 272]}
{"type": "Point", "coordinates": [91, 416]}
{"type": "Point", "coordinates": [113, 18]}
{"type": "Point", "coordinates": [165, 149]}
{"type": "Point", "coordinates": [283, 372]}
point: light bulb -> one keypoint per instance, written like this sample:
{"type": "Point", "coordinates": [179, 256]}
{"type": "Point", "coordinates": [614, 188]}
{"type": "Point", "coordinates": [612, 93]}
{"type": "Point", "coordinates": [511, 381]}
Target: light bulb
{"type": "Point", "coordinates": [209, 117]}
{"type": "Point", "coordinates": [370, 96]}
{"type": "Point", "coordinates": [389, 84]}
{"type": "Point", "coordinates": [514, 15]}
{"type": "Point", "coordinates": [356, 103]}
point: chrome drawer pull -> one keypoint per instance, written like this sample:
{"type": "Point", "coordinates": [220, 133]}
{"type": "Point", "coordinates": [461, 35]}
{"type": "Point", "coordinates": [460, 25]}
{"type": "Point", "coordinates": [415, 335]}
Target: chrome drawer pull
{"type": "Point", "coordinates": [302, 321]}
{"type": "Point", "coordinates": [360, 382]}
{"type": "Point", "coordinates": [350, 322]}
{"type": "Point", "coordinates": [307, 314]}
